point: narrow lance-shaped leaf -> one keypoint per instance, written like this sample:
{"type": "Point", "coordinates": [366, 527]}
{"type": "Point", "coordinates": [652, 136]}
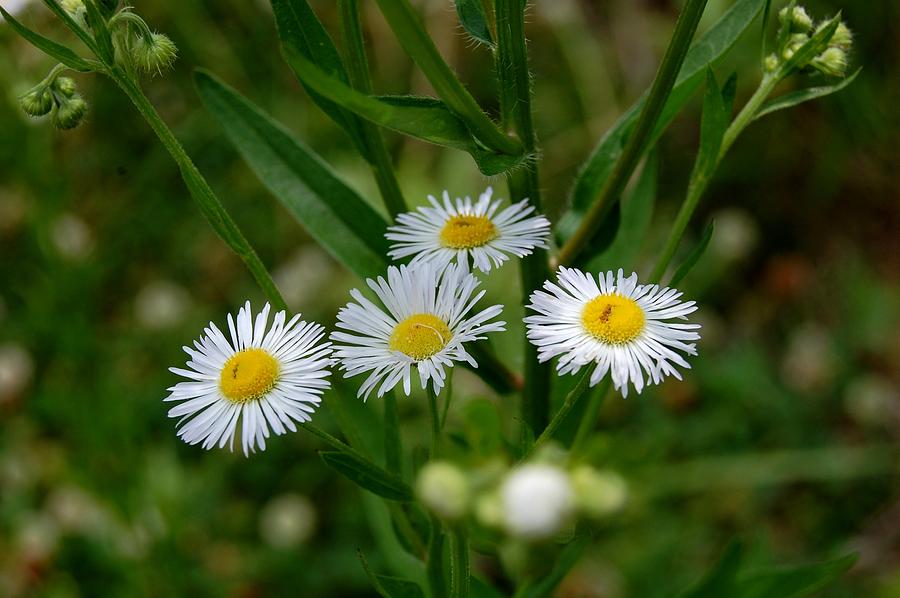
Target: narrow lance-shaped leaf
{"type": "Point", "coordinates": [792, 99]}
{"type": "Point", "coordinates": [348, 227]}
{"type": "Point", "coordinates": [388, 586]}
{"type": "Point", "coordinates": [367, 475]}
{"type": "Point", "coordinates": [472, 17]}
{"type": "Point", "coordinates": [64, 16]}
{"type": "Point", "coordinates": [423, 118]}
{"type": "Point", "coordinates": [793, 582]}
{"type": "Point", "coordinates": [102, 37]}
{"type": "Point", "coordinates": [300, 30]}
{"type": "Point", "coordinates": [691, 260]}
{"type": "Point", "coordinates": [720, 581]}
{"type": "Point", "coordinates": [712, 129]}
{"type": "Point", "coordinates": [48, 46]}
{"type": "Point", "coordinates": [707, 49]}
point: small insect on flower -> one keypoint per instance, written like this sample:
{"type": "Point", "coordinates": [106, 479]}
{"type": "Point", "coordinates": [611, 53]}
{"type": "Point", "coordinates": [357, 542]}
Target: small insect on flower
{"type": "Point", "coordinates": [455, 230]}
{"type": "Point", "coordinates": [425, 324]}
{"type": "Point", "coordinates": [619, 325]}
{"type": "Point", "coordinates": [266, 377]}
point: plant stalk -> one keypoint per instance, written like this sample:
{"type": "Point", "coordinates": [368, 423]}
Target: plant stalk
{"type": "Point", "coordinates": [641, 136]}
{"type": "Point", "coordinates": [200, 190]}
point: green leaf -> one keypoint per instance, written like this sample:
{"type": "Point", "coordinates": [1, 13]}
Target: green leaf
{"type": "Point", "coordinates": [706, 50]}
{"type": "Point", "coordinates": [389, 586]}
{"type": "Point", "coordinates": [427, 119]}
{"type": "Point", "coordinates": [569, 557]}
{"type": "Point", "coordinates": [695, 255]}
{"type": "Point", "coordinates": [48, 46]}
{"type": "Point", "coordinates": [98, 26]}
{"type": "Point", "coordinates": [472, 18]}
{"type": "Point", "coordinates": [301, 32]}
{"type": "Point", "coordinates": [712, 128]}
{"type": "Point", "coordinates": [636, 215]}
{"type": "Point", "coordinates": [64, 16]}
{"type": "Point", "coordinates": [367, 475]}
{"type": "Point", "coordinates": [794, 582]}
{"type": "Point", "coordinates": [720, 581]}
{"type": "Point", "coordinates": [348, 227]}
{"type": "Point", "coordinates": [792, 99]}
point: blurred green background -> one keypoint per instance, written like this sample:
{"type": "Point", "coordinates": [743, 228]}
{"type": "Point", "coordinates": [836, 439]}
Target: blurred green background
{"type": "Point", "coordinates": [785, 434]}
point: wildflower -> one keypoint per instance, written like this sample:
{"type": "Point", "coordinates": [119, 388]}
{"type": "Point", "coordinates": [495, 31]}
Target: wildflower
{"type": "Point", "coordinates": [619, 325]}
{"type": "Point", "coordinates": [425, 326]}
{"type": "Point", "coordinates": [441, 233]}
{"type": "Point", "coordinates": [264, 378]}
{"type": "Point", "coordinates": [154, 52]}
{"type": "Point", "coordinates": [538, 501]}
{"type": "Point", "coordinates": [796, 18]}
{"type": "Point", "coordinates": [70, 113]}
{"type": "Point", "coordinates": [832, 62]}
{"type": "Point", "coordinates": [37, 102]}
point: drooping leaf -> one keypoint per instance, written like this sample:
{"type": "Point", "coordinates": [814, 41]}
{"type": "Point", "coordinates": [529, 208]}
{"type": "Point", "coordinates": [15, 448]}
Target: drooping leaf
{"type": "Point", "coordinates": [300, 30]}
{"type": "Point", "coordinates": [427, 119]}
{"type": "Point", "coordinates": [47, 46]}
{"type": "Point", "coordinates": [789, 100]}
{"type": "Point", "coordinates": [636, 215]}
{"type": "Point", "coordinates": [388, 586]}
{"type": "Point", "coordinates": [472, 18]}
{"type": "Point", "coordinates": [367, 475]}
{"type": "Point", "coordinates": [691, 260]}
{"type": "Point", "coordinates": [794, 582]}
{"type": "Point", "coordinates": [706, 50]}
{"type": "Point", "coordinates": [348, 227]}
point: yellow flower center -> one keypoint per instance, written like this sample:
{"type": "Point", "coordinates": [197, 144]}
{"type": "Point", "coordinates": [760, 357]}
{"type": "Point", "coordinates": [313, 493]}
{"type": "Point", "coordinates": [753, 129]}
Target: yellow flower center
{"type": "Point", "coordinates": [248, 375]}
{"type": "Point", "coordinates": [420, 336]}
{"type": "Point", "coordinates": [466, 232]}
{"type": "Point", "coordinates": [613, 319]}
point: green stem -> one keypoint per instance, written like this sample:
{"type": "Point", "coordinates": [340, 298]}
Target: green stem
{"type": "Point", "coordinates": [392, 442]}
{"type": "Point", "coordinates": [361, 80]}
{"type": "Point", "coordinates": [411, 34]}
{"type": "Point", "coordinates": [570, 401]}
{"type": "Point", "coordinates": [200, 190]}
{"type": "Point", "coordinates": [641, 136]}
{"type": "Point", "coordinates": [700, 180]}
{"type": "Point", "coordinates": [434, 562]}
{"type": "Point", "coordinates": [589, 419]}
{"type": "Point", "coordinates": [524, 183]}
{"type": "Point", "coordinates": [435, 416]}
{"type": "Point", "coordinates": [459, 563]}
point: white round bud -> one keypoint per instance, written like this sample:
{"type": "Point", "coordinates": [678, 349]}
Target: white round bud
{"type": "Point", "coordinates": [598, 493]}
{"type": "Point", "coordinates": [537, 501]}
{"type": "Point", "coordinates": [444, 489]}
{"type": "Point", "coordinates": [287, 521]}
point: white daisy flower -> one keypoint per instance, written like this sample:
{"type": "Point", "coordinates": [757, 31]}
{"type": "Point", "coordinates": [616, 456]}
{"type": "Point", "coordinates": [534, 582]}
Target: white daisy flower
{"type": "Point", "coordinates": [441, 233]}
{"type": "Point", "coordinates": [264, 378]}
{"type": "Point", "coordinates": [425, 323]}
{"type": "Point", "coordinates": [619, 325]}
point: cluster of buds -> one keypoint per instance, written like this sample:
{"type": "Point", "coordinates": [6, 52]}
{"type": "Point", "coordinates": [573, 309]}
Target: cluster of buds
{"type": "Point", "coordinates": [532, 502]}
{"type": "Point", "coordinates": [797, 28]}
{"type": "Point", "coordinates": [138, 47]}
{"type": "Point", "coordinates": [58, 95]}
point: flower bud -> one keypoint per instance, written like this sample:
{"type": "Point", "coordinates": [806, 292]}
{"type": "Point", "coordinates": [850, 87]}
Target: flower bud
{"type": "Point", "coordinates": [598, 493]}
{"type": "Point", "coordinates": [37, 102]}
{"type": "Point", "coordinates": [154, 54]}
{"type": "Point", "coordinates": [65, 86]}
{"type": "Point", "coordinates": [771, 63]}
{"type": "Point", "coordinates": [832, 62]}
{"type": "Point", "coordinates": [443, 488]}
{"type": "Point", "coordinates": [797, 19]}
{"type": "Point", "coordinates": [71, 113]}
{"type": "Point", "coordinates": [842, 38]}
{"type": "Point", "coordinates": [537, 501]}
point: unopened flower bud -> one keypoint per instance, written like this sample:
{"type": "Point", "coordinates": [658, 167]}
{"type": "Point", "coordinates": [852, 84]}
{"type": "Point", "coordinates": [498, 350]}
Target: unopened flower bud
{"type": "Point", "coordinates": [832, 62]}
{"type": "Point", "coordinates": [443, 488]}
{"type": "Point", "coordinates": [154, 54]}
{"type": "Point", "coordinates": [65, 86]}
{"type": "Point", "coordinates": [842, 38]}
{"type": "Point", "coordinates": [37, 102]}
{"type": "Point", "coordinates": [537, 501]}
{"type": "Point", "coordinates": [771, 63]}
{"type": "Point", "coordinates": [598, 493]}
{"type": "Point", "coordinates": [797, 18]}
{"type": "Point", "coordinates": [71, 113]}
